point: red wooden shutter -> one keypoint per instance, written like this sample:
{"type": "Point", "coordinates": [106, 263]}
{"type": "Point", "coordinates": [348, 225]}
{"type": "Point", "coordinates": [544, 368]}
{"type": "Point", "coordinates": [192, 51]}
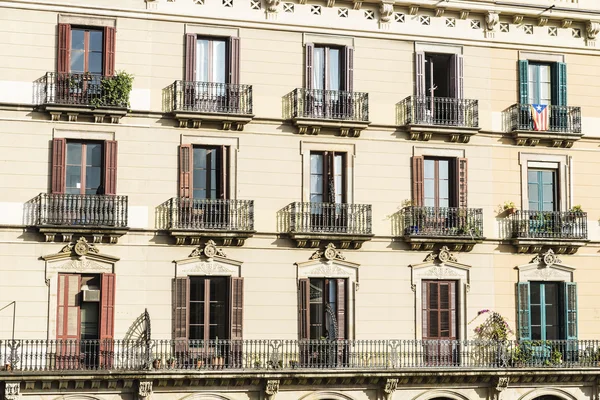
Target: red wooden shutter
{"type": "Point", "coordinates": [349, 75]}
{"type": "Point", "coordinates": [109, 50]}
{"type": "Point", "coordinates": [107, 320]}
{"type": "Point", "coordinates": [418, 189]}
{"type": "Point", "coordinates": [63, 64]}
{"type": "Point", "coordinates": [68, 322]}
{"type": "Point", "coordinates": [308, 65]}
{"type": "Point", "coordinates": [341, 308]}
{"type": "Point", "coordinates": [190, 56]}
{"type": "Point", "coordinates": [461, 182]}
{"type": "Point", "coordinates": [59, 150]}
{"type": "Point", "coordinates": [456, 77]}
{"type": "Point", "coordinates": [425, 309]}
{"type": "Point", "coordinates": [186, 165]}
{"type": "Point", "coordinates": [303, 309]}
{"type": "Point", "coordinates": [452, 299]}
{"type": "Point", "coordinates": [236, 308]}
{"type": "Point", "coordinates": [420, 74]}
{"type": "Point", "coordinates": [223, 192]}
{"type": "Point", "coordinates": [181, 298]}
{"type": "Point", "coordinates": [110, 167]}
{"type": "Point", "coordinates": [234, 60]}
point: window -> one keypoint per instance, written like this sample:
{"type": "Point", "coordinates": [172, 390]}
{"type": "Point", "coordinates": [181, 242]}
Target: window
{"type": "Point", "coordinates": [540, 84]}
{"type": "Point", "coordinates": [543, 83]}
{"type": "Point", "coordinates": [327, 177]}
{"type": "Point", "coordinates": [439, 182]}
{"type": "Point", "coordinates": [323, 307]}
{"type": "Point", "coordinates": [203, 172]}
{"type": "Point", "coordinates": [542, 189]}
{"type": "Point", "coordinates": [212, 59]}
{"type": "Point", "coordinates": [439, 310]}
{"type": "Point", "coordinates": [439, 75]}
{"type": "Point", "coordinates": [86, 50]}
{"type": "Point", "coordinates": [329, 67]}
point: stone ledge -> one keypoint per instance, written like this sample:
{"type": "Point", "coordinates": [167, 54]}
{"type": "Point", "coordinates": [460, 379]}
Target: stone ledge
{"type": "Point", "coordinates": [97, 233]}
{"type": "Point", "coordinates": [228, 121]}
{"type": "Point", "coordinates": [454, 243]}
{"type": "Point", "coordinates": [452, 133]}
{"type": "Point", "coordinates": [313, 126]}
{"type": "Point", "coordinates": [555, 139]}
{"type": "Point", "coordinates": [343, 240]}
{"type": "Point", "coordinates": [73, 111]}
{"type": "Point", "coordinates": [559, 246]}
{"type": "Point", "coordinates": [224, 238]}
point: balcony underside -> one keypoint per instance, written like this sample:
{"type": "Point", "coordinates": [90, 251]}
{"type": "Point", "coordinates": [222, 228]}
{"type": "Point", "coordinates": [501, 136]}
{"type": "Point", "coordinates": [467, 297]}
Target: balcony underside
{"type": "Point", "coordinates": [72, 112]}
{"type": "Point", "coordinates": [455, 243]}
{"type": "Point", "coordinates": [560, 246]}
{"type": "Point", "coordinates": [556, 139]}
{"type": "Point", "coordinates": [222, 237]}
{"type": "Point", "coordinates": [315, 239]}
{"type": "Point", "coordinates": [96, 233]}
{"type": "Point", "coordinates": [313, 126]}
{"type": "Point", "coordinates": [227, 121]}
{"type": "Point", "coordinates": [425, 132]}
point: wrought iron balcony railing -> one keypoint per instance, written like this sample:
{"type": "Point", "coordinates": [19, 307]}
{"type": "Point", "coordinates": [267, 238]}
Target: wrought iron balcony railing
{"type": "Point", "coordinates": [442, 111]}
{"type": "Point", "coordinates": [78, 90]}
{"type": "Point", "coordinates": [211, 97]}
{"type": "Point", "coordinates": [85, 210]}
{"type": "Point", "coordinates": [568, 225]}
{"type": "Point", "coordinates": [329, 104]}
{"type": "Point", "coordinates": [332, 218]}
{"type": "Point", "coordinates": [103, 355]}
{"type": "Point", "coordinates": [561, 119]}
{"type": "Point", "coordinates": [203, 214]}
{"type": "Point", "coordinates": [443, 221]}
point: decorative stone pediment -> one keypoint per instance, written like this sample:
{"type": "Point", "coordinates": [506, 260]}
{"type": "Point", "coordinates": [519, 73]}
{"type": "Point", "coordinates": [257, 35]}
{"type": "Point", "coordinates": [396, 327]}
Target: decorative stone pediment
{"type": "Point", "coordinates": [79, 257]}
{"type": "Point", "coordinates": [330, 253]}
{"type": "Point", "coordinates": [329, 263]}
{"type": "Point", "coordinates": [207, 260]}
{"type": "Point", "coordinates": [546, 267]}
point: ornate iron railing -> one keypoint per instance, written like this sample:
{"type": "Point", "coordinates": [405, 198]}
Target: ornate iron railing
{"type": "Point", "coordinates": [102, 355]}
{"type": "Point", "coordinates": [211, 97]}
{"type": "Point", "coordinates": [443, 221]}
{"type": "Point", "coordinates": [77, 90]}
{"type": "Point", "coordinates": [443, 111]}
{"type": "Point", "coordinates": [562, 119]}
{"type": "Point", "coordinates": [329, 104]}
{"type": "Point", "coordinates": [329, 218]}
{"type": "Point", "coordinates": [81, 210]}
{"type": "Point", "coordinates": [203, 214]}
{"type": "Point", "coordinates": [550, 224]}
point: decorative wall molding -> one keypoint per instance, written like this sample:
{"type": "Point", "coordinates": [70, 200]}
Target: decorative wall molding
{"type": "Point", "coordinates": [145, 390]}
{"type": "Point", "coordinates": [492, 19]}
{"type": "Point", "coordinates": [501, 385]}
{"type": "Point", "coordinates": [272, 8]}
{"type": "Point", "coordinates": [271, 388]}
{"type": "Point", "coordinates": [330, 253]}
{"type": "Point", "coordinates": [546, 267]}
{"type": "Point", "coordinates": [12, 390]}
{"type": "Point", "coordinates": [390, 387]}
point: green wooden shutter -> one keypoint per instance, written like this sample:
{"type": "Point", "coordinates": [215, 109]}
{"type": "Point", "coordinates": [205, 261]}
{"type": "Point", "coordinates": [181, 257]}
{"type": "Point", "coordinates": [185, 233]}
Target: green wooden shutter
{"type": "Point", "coordinates": [570, 306]}
{"type": "Point", "coordinates": [559, 84]}
{"type": "Point", "coordinates": [523, 81]}
{"type": "Point", "coordinates": [523, 311]}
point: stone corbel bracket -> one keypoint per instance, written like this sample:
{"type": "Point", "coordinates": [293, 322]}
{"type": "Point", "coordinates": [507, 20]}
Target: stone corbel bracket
{"type": "Point", "coordinates": [390, 387]}
{"type": "Point", "coordinates": [145, 390]}
{"type": "Point", "coordinates": [12, 390]}
{"type": "Point", "coordinates": [386, 11]}
{"type": "Point", "coordinates": [592, 28]}
{"type": "Point", "coordinates": [272, 9]}
{"type": "Point", "coordinates": [492, 19]}
{"type": "Point", "coordinates": [271, 389]}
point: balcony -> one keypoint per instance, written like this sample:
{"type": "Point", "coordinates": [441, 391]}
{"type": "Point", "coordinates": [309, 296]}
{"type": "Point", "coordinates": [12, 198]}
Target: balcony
{"type": "Point", "coordinates": [314, 109]}
{"type": "Point", "coordinates": [227, 104]}
{"type": "Point", "coordinates": [457, 228]}
{"type": "Point", "coordinates": [84, 214]}
{"type": "Point", "coordinates": [310, 223]}
{"type": "Point", "coordinates": [230, 221]}
{"type": "Point", "coordinates": [564, 125]}
{"type": "Point", "coordinates": [566, 232]}
{"type": "Point", "coordinates": [423, 117]}
{"type": "Point", "coordinates": [80, 94]}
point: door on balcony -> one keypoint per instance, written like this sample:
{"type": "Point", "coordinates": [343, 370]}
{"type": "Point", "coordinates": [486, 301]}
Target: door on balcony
{"type": "Point", "coordinates": [86, 64]}
{"type": "Point", "coordinates": [440, 322]}
{"type": "Point", "coordinates": [84, 168]}
{"type": "Point", "coordinates": [542, 191]}
{"type": "Point", "coordinates": [540, 84]}
{"type": "Point", "coordinates": [439, 195]}
{"type": "Point", "coordinates": [328, 210]}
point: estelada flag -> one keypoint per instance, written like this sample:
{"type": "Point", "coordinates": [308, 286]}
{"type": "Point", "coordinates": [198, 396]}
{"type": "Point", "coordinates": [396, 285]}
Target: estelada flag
{"type": "Point", "coordinates": [539, 114]}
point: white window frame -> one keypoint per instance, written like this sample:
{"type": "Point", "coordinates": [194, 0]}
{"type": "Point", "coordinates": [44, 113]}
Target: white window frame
{"type": "Point", "coordinates": [563, 167]}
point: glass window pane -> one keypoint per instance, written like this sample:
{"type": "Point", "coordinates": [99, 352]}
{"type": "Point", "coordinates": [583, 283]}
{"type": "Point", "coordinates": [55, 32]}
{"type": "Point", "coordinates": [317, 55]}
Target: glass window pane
{"type": "Point", "coordinates": [319, 68]}
{"type": "Point", "coordinates": [200, 156]}
{"type": "Point", "coordinates": [200, 194]}
{"type": "Point", "coordinates": [94, 154]}
{"type": "Point", "coordinates": [316, 163]}
{"type": "Point", "coordinates": [77, 39]}
{"type": "Point", "coordinates": [95, 63]}
{"type": "Point", "coordinates": [202, 60]}
{"type": "Point", "coordinates": [429, 202]}
{"type": "Point", "coordinates": [199, 180]}
{"type": "Point", "coordinates": [444, 203]}
{"type": "Point", "coordinates": [444, 165]}
{"type": "Point", "coordinates": [334, 69]}
{"type": "Point", "coordinates": [316, 198]}
{"type": "Point", "coordinates": [93, 177]}
{"type": "Point", "coordinates": [218, 67]}
{"type": "Point", "coordinates": [96, 41]}
{"type": "Point", "coordinates": [532, 176]}
{"type": "Point", "coordinates": [429, 185]}
{"type": "Point", "coordinates": [429, 172]}
{"type": "Point", "coordinates": [197, 332]}
{"type": "Point", "coordinates": [74, 177]}
{"type": "Point", "coordinates": [444, 190]}
{"type": "Point", "coordinates": [544, 73]}
{"type": "Point", "coordinates": [316, 184]}
{"type": "Point", "coordinates": [196, 313]}
{"type": "Point", "coordinates": [548, 193]}
{"type": "Point", "coordinates": [74, 153]}
{"type": "Point", "coordinates": [533, 193]}
{"type": "Point", "coordinates": [77, 65]}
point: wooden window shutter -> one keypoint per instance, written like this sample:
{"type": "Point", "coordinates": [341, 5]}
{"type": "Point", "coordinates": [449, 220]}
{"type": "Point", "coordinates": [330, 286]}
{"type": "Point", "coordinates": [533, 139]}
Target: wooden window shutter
{"type": "Point", "coordinates": [304, 309]}
{"type": "Point", "coordinates": [110, 167]}
{"type": "Point", "coordinates": [420, 74]}
{"type": "Point", "coordinates": [109, 50]}
{"type": "Point", "coordinates": [181, 298]}
{"type": "Point", "coordinates": [309, 50]}
{"type": "Point", "coordinates": [461, 182]}
{"type": "Point", "coordinates": [186, 165]}
{"type": "Point", "coordinates": [559, 84]}
{"type": "Point", "coordinates": [418, 188]}
{"type": "Point", "coordinates": [63, 64]}
{"type": "Point", "coordinates": [425, 309]}
{"type": "Point", "coordinates": [236, 308]}
{"type": "Point", "coordinates": [234, 60]}
{"type": "Point", "coordinates": [349, 73]}
{"type": "Point", "coordinates": [453, 318]}
{"type": "Point", "coordinates": [190, 56]}
{"type": "Point", "coordinates": [223, 189]}
{"type": "Point", "coordinates": [107, 319]}
{"type": "Point", "coordinates": [523, 311]}
{"type": "Point", "coordinates": [523, 81]}
{"type": "Point", "coordinates": [456, 76]}
{"type": "Point", "coordinates": [59, 149]}
{"type": "Point", "coordinates": [570, 306]}
{"type": "Point", "coordinates": [341, 309]}
{"type": "Point", "coordinates": [68, 322]}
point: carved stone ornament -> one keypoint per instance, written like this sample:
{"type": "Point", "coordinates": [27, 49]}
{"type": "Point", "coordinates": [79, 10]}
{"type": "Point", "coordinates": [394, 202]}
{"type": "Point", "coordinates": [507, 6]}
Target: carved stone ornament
{"type": "Point", "coordinates": [491, 20]}
{"type": "Point", "coordinates": [273, 6]}
{"type": "Point", "coordinates": [330, 253]}
{"type": "Point", "coordinates": [390, 387]}
{"type": "Point", "coordinates": [502, 383]}
{"type": "Point", "coordinates": [12, 390]}
{"type": "Point", "coordinates": [548, 258]}
{"type": "Point", "coordinates": [386, 10]}
{"type": "Point", "coordinates": [145, 390]}
{"type": "Point", "coordinates": [592, 28]}
{"type": "Point", "coordinates": [271, 388]}
{"type": "Point", "coordinates": [210, 250]}
{"type": "Point", "coordinates": [443, 256]}
{"type": "Point", "coordinates": [80, 248]}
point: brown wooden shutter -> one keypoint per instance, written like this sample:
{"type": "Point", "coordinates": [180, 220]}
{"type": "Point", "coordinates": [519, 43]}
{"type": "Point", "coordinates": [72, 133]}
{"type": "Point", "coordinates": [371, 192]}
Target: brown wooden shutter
{"type": "Point", "coordinates": [109, 50]}
{"type": "Point", "coordinates": [110, 167]}
{"type": "Point", "coordinates": [59, 150]}
{"type": "Point", "coordinates": [425, 309]}
{"type": "Point", "coordinates": [223, 189]}
{"type": "Point", "coordinates": [304, 309]}
{"type": "Point", "coordinates": [68, 322]}
{"type": "Point", "coordinates": [190, 56]}
{"type": "Point", "coordinates": [456, 76]}
{"type": "Point", "coordinates": [236, 308]}
{"type": "Point", "coordinates": [234, 60]}
{"type": "Point", "coordinates": [461, 182]}
{"type": "Point", "coordinates": [452, 291]}
{"type": "Point", "coordinates": [107, 319]}
{"type": "Point", "coordinates": [63, 65]}
{"type": "Point", "coordinates": [349, 75]}
{"type": "Point", "coordinates": [418, 188]}
{"type": "Point", "coordinates": [341, 308]}
{"type": "Point", "coordinates": [186, 165]}
{"type": "Point", "coordinates": [309, 49]}
{"type": "Point", "coordinates": [181, 298]}
{"type": "Point", "coordinates": [420, 74]}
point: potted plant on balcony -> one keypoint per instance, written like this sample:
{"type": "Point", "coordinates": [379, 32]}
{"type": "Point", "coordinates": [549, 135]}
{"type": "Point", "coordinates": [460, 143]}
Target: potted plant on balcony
{"type": "Point", "coordinates": [413, 217]}
{"type": "Point", "coordinates": [509, 208]}
{"type": "Point", "coordinates": [156, 363]}
{"type": "Point", "coordinates": [115, 91]}
{"type": "Point", "coordinates": [218, 360]}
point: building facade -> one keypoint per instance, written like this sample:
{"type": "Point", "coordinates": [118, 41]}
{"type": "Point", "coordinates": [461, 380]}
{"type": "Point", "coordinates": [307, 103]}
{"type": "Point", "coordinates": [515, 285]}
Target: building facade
{"type": "Point", "coordinates": [349, 200]}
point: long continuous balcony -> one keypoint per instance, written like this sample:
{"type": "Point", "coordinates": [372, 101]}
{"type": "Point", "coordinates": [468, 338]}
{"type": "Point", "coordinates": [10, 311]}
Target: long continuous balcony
{"type": "Point", "coordinates": [310, 223]}
{"type": "Point", "coordinates": [314, 109]}
{"type": "Point", "coordinates": [230, 220]}
{"type": "Point", "coordinates": [226, 103]}
{"type": "Point", "coordinates": [425, 227]}
{"type": "Point", "coordinates": [286, 355]}
{"type": "Point", "coordinates": [560, 125]}
{"type": "Point", "coordinates": [67, 214]}
{"type": "Point", "coordinates": [423, 117]}
{"type": "Point", "coordinates": [533, 229]}
{"type": "Point", "coordinates": [73, 94]}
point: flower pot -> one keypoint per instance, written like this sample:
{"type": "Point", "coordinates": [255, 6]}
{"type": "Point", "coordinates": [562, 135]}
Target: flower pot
{"type": "Point", "coordinates": [510, 211]}
{"type": "Point", "coordinates": [218, 362]}
{"type": "Point", "coordinates": [199, 363]}
{"type": "Point", "coordinates": [156, 364]}
{"type": "Point", "coordinates": [293, 364]}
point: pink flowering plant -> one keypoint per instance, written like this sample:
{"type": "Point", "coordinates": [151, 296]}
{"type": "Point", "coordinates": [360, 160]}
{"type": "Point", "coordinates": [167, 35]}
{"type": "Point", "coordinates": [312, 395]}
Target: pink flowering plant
{"type": "Point", "coordinates": [494, 327]}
